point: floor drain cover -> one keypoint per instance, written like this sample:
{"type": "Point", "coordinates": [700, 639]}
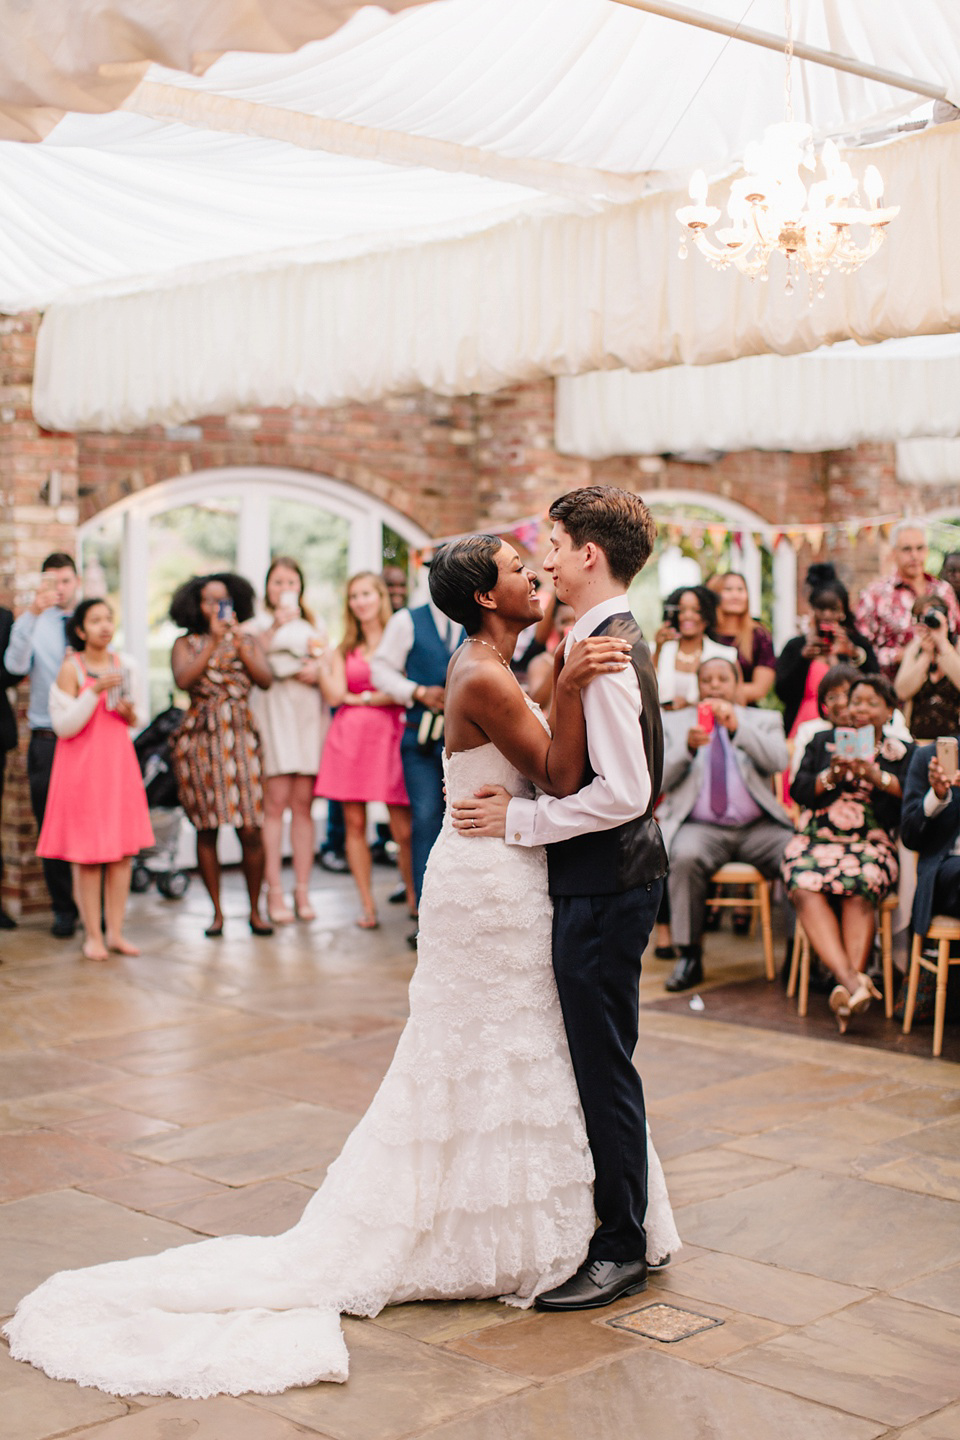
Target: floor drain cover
{"type": "Point", "coordinates": [664, 1322]}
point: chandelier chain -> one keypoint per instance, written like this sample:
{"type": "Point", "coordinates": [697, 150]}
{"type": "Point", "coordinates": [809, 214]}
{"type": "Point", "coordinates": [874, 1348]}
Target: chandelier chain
{"type": "Point", "coordinates": [788, 59]}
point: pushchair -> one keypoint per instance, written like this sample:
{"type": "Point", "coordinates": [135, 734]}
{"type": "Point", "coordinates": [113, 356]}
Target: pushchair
{"type": "Point", "coordinates": [159, 861]}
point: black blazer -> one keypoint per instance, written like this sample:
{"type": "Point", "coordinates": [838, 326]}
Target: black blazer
{"type": "Point", "coordinates": [817, 757]}
{"type": "Point", "coordinates": [8, 720]}
{"type": "Point", "coordinates": [790, 676]}
{"type": "Point", "coordinates": [933, 839]}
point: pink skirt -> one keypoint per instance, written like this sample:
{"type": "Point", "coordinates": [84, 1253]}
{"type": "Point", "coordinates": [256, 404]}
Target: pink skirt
{"type": "Point", "coordinates": [96, 808]}
{"type": "Point", "coordinates": [361, 756]}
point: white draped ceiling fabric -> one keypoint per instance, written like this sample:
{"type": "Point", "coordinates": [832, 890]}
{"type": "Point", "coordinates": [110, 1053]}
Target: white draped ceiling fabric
{"type": "Point", "coordinates": [461, 196]}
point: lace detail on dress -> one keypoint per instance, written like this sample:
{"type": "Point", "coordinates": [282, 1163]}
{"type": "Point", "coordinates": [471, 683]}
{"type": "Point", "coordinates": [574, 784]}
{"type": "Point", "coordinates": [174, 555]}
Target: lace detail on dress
{"type": "Point", "coordinates": [469, 1175]}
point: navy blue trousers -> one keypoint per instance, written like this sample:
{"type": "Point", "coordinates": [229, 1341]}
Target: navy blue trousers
{"type": "Point", "coordinates": [597, 944]}
{"type": "Point", "coordinates": [423, 777]}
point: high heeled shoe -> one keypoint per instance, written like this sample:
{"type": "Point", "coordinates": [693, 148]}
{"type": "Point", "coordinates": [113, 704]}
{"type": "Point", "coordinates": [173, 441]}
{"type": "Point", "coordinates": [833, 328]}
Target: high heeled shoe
{"type": "Point", "coordinates": [839, 1003]}
{"type": "Point", "coordinates": [301, 903]}
{"type": "Point", "coordinates": [864, 993]}
{"type": "Point", "coordinates": [277, 907]}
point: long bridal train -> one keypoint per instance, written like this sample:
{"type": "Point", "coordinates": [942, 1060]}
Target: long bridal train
{"type": "Point", "coordinates": [469, 1176]}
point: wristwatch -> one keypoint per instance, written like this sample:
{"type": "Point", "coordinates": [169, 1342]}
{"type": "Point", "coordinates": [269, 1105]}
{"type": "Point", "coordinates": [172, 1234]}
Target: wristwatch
{"type": "Point", "coordinates": [825, 780]}
{"type": "Point", "coordinates": [885, 778]}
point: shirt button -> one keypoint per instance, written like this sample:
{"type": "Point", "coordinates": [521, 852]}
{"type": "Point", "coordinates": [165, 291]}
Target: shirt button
{"type": "Point", "coordinates": [516, 834]}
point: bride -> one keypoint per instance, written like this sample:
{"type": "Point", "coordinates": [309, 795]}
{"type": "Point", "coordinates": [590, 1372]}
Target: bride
{"type": "Point", "coordinates": [470, 1175]}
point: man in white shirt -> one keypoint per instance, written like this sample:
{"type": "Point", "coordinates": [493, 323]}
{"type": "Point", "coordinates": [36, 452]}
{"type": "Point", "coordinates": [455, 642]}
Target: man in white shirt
{"type": "Point", "coordinates": [607, 865]}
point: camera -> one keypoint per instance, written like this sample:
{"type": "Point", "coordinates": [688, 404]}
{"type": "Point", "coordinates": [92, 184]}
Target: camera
{"type": "Point", "coordinates": [932, 619]}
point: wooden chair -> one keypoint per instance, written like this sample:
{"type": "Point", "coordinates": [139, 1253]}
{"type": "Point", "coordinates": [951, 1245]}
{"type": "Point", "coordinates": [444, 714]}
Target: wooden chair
{"type": "Point", "coordinates": [800, 961]}
{"type": "Point", "coordinates": [943, 929]}
{"type": "Point", "coordinates": [739, 873]}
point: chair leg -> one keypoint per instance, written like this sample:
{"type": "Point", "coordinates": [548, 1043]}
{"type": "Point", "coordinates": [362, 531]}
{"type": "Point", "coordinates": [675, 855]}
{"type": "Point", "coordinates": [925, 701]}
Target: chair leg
{"type": "Point", "coordinates": [912, 983]}
{"type": "Point", "coordinates": [886, 952]}
{"type": "Point", "coordinates": [940, 1007]}
{"type": "Point", "coordinates": [766, 927]}
{"type": "Point", "coordinates": [794, 962]}
{"type": "Point", "coordinates": [804, 975]}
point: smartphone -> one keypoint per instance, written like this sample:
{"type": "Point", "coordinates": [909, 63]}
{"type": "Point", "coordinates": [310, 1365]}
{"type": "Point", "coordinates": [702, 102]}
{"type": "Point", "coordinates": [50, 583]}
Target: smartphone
{"type": "Point", "coordinates": [288, 602]}
{"type": "Point", "coordinates": [225, 610]}
{"type": "Point", "coordinates": [851, 744]}
{"type": "Point", "coordinates": [827, 632]}
{"type": "Point", "coordinates": [705, 717]}
{"type": "Point", "coordinates": [947, 754]}
{"type": "Point", "coordinates": [670, 615]}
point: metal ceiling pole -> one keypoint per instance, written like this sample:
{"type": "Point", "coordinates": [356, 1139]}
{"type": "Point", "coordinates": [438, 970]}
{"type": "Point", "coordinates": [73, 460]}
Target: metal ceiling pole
{"type": "Point", "coordinates": [685, 16]}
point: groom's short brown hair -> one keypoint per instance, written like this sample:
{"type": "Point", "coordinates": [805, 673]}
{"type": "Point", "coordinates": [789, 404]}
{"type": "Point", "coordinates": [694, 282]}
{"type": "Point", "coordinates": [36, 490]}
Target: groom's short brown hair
{"type": "Point", "coordinates": [615, 520]}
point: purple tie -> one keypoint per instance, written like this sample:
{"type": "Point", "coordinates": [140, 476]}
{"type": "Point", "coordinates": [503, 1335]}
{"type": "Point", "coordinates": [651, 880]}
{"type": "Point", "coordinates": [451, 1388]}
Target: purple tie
{"type": "Point", "coordinates": [718, 775]}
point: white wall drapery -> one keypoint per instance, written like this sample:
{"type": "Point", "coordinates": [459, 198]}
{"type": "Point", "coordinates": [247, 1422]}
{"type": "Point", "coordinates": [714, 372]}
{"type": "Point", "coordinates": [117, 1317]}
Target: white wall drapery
{"type": "Point", "coordinates": [559, 295]}
{"type": "Point", "coordinates": [825, 400]}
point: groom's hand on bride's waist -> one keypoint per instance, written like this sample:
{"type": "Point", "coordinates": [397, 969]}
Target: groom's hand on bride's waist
{"type": "Point", "coordinates": [483, 813]}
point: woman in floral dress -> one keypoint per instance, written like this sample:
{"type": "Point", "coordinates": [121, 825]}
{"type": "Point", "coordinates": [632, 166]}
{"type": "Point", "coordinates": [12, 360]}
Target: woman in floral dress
{"type": "Point", "coordinates": [843, 859]}
{"type": "Point", "coordinates": [216, 751]}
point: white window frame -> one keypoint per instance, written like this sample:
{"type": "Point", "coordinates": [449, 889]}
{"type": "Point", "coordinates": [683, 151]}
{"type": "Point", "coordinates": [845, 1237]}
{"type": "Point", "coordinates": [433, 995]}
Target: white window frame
{"type": "Point", "coordinates": [254, 486]}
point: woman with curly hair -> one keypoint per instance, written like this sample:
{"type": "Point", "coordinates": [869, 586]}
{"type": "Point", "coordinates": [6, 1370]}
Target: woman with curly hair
{"type": "Point", "coordinates": [843, 859]}
{"type": "Point", "coordinates": [687, 637]}
{"type": "Point", "coordinates": [216, 751]}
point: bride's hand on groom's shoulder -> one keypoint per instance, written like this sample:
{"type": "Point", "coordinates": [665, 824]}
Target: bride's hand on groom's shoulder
{"type": "Point", "coordinates": [597, 655]}
{"type": "Point", "coordinates": [484, 813]}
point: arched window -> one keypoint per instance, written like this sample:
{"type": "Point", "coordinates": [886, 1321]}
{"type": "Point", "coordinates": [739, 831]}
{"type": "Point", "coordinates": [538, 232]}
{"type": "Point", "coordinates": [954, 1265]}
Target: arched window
{"type": "Point", "coordinates": [137, 551]}
{"type": "Point", "coordinates": [746, 545]}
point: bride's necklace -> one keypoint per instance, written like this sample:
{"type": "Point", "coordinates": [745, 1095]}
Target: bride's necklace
{"type": "Point", "coordinates": [475, 640]}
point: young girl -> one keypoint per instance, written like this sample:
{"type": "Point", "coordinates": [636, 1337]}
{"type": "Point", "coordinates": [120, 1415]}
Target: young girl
{"type": "Point", "coordinates": [96, 815]}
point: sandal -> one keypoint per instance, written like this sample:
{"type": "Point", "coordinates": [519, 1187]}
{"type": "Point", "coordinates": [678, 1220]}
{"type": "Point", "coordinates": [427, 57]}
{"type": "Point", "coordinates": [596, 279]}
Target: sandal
{"type": "Point", "coordinates": [277, 907]}
{"type": "Point", "coordinates": [301, 903]}
{"type": "Point", "coordinates": [840, 1005]}
{"type": "Point", "coordinates": [864, 993]}
{"type": "Point", "coordinates": [367, 922]}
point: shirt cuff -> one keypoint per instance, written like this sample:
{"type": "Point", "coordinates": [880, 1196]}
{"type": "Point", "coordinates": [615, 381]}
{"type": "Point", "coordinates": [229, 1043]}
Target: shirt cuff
{"type": "Point", "coordinates": [932, 806]}
{"type": "Point", "coordinates": [521, 818]}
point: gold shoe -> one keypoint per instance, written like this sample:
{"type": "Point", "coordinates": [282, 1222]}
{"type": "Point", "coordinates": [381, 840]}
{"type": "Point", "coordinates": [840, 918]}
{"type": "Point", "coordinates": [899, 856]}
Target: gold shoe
{"type": "Point", "coordinates": [864, 993]}
{"type": "Point", "coordinates": [840, 1005]}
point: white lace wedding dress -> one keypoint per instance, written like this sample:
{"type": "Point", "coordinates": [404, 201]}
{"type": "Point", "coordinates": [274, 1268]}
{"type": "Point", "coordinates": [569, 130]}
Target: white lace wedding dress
{"type": "Point", "coordinates": [468, 1176]}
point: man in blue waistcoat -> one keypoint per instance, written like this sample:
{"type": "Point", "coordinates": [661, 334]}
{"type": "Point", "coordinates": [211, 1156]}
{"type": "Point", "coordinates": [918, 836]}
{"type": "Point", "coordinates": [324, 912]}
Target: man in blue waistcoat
{"type": "Point", "coordinates": [410, 664]}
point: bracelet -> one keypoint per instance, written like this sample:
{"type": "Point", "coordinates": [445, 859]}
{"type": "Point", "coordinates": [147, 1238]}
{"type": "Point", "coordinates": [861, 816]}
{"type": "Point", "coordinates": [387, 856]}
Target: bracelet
{"type": "Point", "coordinates": [825, 781]}
{"type": "Point", "coordinates": [885, 778]}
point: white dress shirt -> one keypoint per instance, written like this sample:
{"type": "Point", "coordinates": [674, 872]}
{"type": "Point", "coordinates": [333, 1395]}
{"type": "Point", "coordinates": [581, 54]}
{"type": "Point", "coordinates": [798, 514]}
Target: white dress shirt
{"type": "Point", "coordinates": [620, 790]}
{"type": "Point", "coordinates": [389, 662]}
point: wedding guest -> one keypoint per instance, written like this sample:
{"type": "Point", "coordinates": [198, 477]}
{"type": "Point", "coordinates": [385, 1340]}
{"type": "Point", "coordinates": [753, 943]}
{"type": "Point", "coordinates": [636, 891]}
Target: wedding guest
{"type": "Point", "coordinates": [718, 803]}
{"type": "Point", "coordinates": [96, 816]}
{"type": "Point", "coordinates": [833, 708]}
{"type": "Point", "coordinates": [539, 682]}
{"type": "Point", "coordinates": [8, 732]}
{"type": "Point", "coordinates": [845, 852]}
{"type": "Point", "coordinates": [361, 755]}
{"type": "Point", "coordinates": [950, 571]}
{"type": "Point", "coordinates": [831, 639]}
{"type": "Point", "coordinates": [290, 718]}
{"type": "Point", "coordinates": [928, 679]}
{"type": "Point", "coordinates": [410, 665]}
{"type": "Point", "coordinates": [931, 826]}
{"type": "Point", "coordinates": [684, 641]}
{"type": "Point", "coordinates": [36, 648]}
{"type": "Point", "coordinates": [752, 641]}
{"type": "Point", "coordinates": [216, 751]}
{"type": "Point", "coordinates": [885, 611]}
{"type": "Point", "coordinates": [398, 586]}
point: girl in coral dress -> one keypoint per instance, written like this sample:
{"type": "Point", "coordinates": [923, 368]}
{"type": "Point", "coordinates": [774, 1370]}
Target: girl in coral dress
{"type": "Point", "coordinates": [96, 815]}
{"type": "Point", "coordinates": [361, 754]}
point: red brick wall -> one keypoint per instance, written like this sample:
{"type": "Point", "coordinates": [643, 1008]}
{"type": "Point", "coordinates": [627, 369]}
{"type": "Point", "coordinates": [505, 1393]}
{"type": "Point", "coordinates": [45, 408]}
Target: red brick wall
{"type": "Point", "coordinates": [449, 464]}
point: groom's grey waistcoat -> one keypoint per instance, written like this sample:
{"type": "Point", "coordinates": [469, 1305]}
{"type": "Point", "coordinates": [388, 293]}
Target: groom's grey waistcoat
{"type": "Point", "coordinates": [607, 862]}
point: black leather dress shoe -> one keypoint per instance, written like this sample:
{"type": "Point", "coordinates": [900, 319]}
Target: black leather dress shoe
{"type": "Point", "coordinates": [687, 972]}
{"type": "Point", "coordinates": [64, 927]}
{"type": "Point", "coordinates": [596, 1283]}
{"type": "Point", "coordinates": [413, 939]}
{"type": "Point", "coordinates": [398, 896]}
{"type": "Point", "coordinates": [7, 922]}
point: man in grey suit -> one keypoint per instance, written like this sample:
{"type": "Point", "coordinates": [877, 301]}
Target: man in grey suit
{"type": "Point", "coordinates": [718, 803]}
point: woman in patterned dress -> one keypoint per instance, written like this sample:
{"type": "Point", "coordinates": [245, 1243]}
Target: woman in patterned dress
{"type": "Point", "coordinates": [843, 859]}
{"type": "Point", "coordinates": [216, 751]}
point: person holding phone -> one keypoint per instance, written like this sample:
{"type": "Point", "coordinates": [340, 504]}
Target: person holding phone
{"type": "Point", "coordinates": [843, 860]}
{"type": "Point", "coordinates": [96, 815]}
{"type": "Point", "coordinates": [931, 826]}
{"type": "Point", "coordinates": [216, 751]}
{"type": "Point", "coordinates": [291, 718]}
{"type": "Point", "coordinates": [831, 639]}
{"type": "Point", "coordinates": [929, 676]}
{"type": "Point", "coordinates": [684, 641]}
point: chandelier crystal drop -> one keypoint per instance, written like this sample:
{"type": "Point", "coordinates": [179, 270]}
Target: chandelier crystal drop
{"type": "Point", "coordinates": [771, 208]}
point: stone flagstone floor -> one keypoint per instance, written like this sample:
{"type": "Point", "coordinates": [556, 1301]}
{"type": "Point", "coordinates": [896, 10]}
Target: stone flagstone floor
{"type": "Point", "coordinates": [203, 1089]}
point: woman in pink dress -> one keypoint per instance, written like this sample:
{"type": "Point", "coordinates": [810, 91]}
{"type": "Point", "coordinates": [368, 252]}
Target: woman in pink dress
{"type": "Point", "coordinates": [96, 815]}
{"type": "Point", "coordinates": [361, 754]}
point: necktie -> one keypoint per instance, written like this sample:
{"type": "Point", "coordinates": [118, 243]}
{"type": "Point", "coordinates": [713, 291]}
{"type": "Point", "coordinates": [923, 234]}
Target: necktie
{"type": "Point", "coordinates": [718, 774]}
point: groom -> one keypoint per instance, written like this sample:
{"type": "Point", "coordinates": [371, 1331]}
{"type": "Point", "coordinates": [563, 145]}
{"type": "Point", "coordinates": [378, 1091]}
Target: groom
{"type": "Point", "coordinates": [606, 863]}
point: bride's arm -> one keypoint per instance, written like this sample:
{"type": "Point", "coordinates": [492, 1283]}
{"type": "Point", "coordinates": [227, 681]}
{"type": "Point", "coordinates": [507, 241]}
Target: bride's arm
{"type": "Point", "coordinates": [493, 701]}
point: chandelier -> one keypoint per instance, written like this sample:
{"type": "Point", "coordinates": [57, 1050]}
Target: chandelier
{"type": "Point", "coordinates": [771, 209]}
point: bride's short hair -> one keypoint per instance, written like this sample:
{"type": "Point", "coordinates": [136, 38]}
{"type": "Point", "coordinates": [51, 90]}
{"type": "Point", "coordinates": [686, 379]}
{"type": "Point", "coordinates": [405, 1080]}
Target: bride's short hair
{"type": "Point", "coordinates": [457, 571]}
